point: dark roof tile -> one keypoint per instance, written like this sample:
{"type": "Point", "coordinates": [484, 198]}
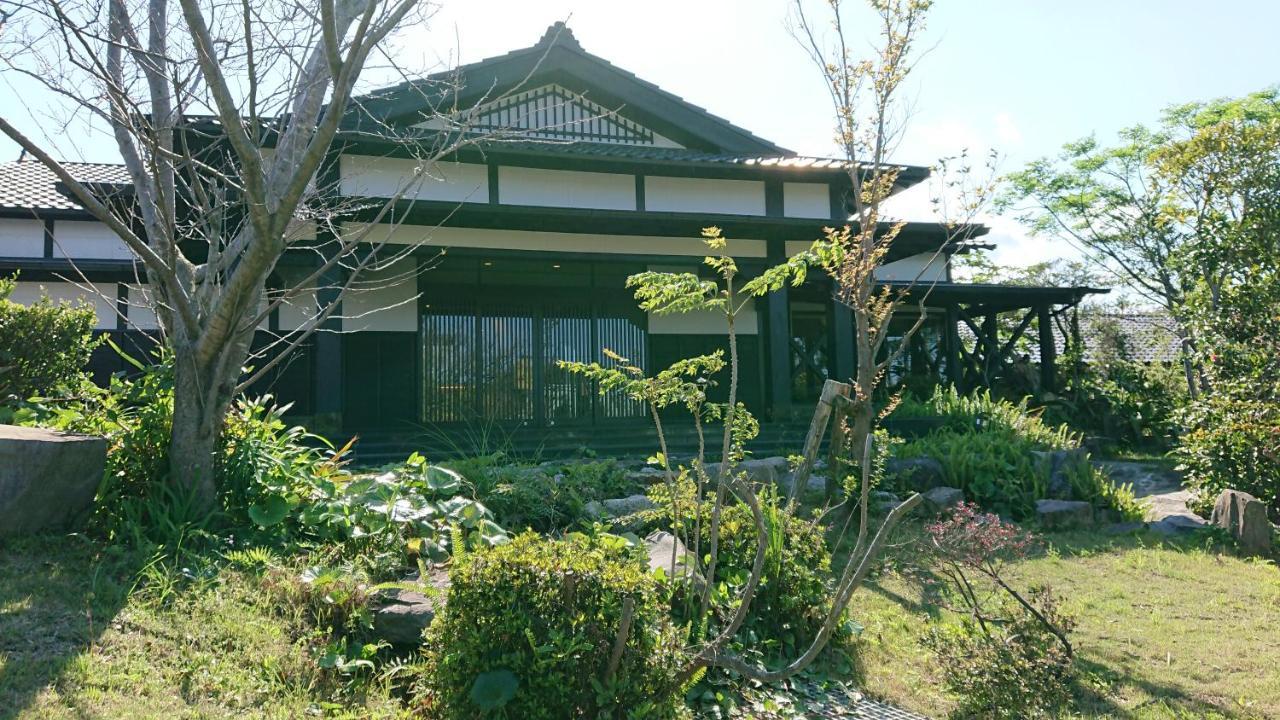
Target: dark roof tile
{"type": "Point", "coordinates": [29, 185]}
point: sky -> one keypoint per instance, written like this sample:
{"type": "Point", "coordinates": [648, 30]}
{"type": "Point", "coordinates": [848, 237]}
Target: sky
{"type": "Point", "coordinates": [1018, 76]}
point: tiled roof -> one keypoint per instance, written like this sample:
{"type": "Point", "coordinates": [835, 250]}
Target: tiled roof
{"type": "Point", "coordinates": [29, 185]}
{"type": "Point", "coordinates": [1146, 336]}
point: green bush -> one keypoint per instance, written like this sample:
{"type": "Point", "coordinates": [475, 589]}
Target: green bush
{"type": "Point", "coordinates": [1015, 670]}
{"type": "Point", "coordinates": [1128, 403]}
{"type": "Point", "coordinates": [1232, 444]}
{"type": "Point", "coordinates": [548, 497]}
{"type": "Point", "coordinates": [43, 346]}
{"type": "Point", "coordinates": [986, 448]}
{"type": "Point", "coordinates": [529, 629]}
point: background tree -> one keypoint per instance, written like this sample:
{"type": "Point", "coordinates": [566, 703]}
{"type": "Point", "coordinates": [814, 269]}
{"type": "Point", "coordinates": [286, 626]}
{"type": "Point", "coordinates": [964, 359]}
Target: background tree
{"type": "Point", "coordinates": [224, 115]}
{"type": "Point", "coordinates": [1133, 217]}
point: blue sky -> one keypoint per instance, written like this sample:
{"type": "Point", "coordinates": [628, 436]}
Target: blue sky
{"type": "Point", "coordinates": [1022, 76]}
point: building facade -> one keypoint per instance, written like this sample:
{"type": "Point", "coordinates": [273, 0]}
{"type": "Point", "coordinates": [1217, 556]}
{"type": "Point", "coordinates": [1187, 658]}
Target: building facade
{"type": "Point", "coordinates": [516, 249]}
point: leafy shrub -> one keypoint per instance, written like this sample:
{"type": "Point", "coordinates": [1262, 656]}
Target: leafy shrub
{"type": "Point", "coordinates": [1232, 444]}
{"type": "Point", "coordinates": [1017, 670]}
{"type": "Point", "coordinates": [794, 595]}
{"type": "Point", "coordinates": [43, 346]}
{"type": "Point", "coordinates": [1010, 660]}
{"type": "Point", "coordinates": [1129, 403]}
{"type": "Point", "coordinates": [986, 449]}
{"type": "Point", "coordinates": [548, 497]}
{"type": "Point", "coordinates": [530, 627]}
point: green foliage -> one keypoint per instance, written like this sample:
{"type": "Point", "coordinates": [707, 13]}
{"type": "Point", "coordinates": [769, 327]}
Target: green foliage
{"type": "Point", "coordinates": [794, 595]}
{"type": "Point", "coordinates": [43, 346]}
{"type": "Point", "coordinates": [1232, 444]}
{"type": "Point", "coordinates": [1013, 670]}
{"type": "Point", "coordinates": [547, 497]}
{"type": "Point", "coordinates": [276, 482]}
{"type": "Point", "coordinates": [987, 446]}
{"type": "Point", "coordinates": [547, 612]}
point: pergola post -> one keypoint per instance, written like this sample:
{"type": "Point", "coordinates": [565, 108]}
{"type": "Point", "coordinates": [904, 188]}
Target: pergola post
{"type": "Point", "coordinates": [1048, 350]}
{"type": "Point", "coordinates": [951, 345]}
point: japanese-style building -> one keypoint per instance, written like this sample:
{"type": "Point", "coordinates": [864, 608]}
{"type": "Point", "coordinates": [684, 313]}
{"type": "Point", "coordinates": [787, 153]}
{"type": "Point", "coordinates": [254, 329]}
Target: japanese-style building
{"type": "Point", "coordinates": [608, 175]}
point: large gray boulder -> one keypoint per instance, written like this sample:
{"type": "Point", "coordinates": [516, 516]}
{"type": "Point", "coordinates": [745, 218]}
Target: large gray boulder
{"type": "Point", "coordinates": [617, 507]}
{"type": "Point", "coordinates": [1245, 517]}
{"type": "Point", "coordinates": [47, 479]}
{"type": "Point", "coordinates": [1060, 514]}
{"type": "Point", "coordinates": [400, 616]}
{"type": "Point", "coordinates": [918, 473]}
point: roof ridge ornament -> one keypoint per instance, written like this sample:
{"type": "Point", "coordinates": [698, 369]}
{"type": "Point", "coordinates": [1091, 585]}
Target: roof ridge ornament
{"type": "Point", "coordinates": [559, 34]}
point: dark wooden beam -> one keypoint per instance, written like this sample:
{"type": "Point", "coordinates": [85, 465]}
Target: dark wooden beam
{"type": "Point", "coordinates": [778, 341]}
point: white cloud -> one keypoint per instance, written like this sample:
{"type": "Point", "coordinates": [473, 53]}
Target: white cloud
{"type": "Point", "coordinates": [1007, 132]}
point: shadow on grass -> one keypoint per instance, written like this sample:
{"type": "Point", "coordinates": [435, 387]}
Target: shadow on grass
{"type": "Point", "coordinates": [1093, 688]}
{"type": "Point", "coordinates": [57, 596]}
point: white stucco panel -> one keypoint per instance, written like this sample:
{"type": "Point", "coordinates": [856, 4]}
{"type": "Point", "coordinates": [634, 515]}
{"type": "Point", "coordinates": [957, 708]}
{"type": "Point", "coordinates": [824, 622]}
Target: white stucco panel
{"type": "Point", "coordinates": [88, 239]}
{"type": "Point", "coordinates": [700, 195]}
{"type": "Point", "coordinates": [142, 315]}
{"type": "Point", "coordinates": [101, 297]}
{"type": "Point", "coordinates": [21, 238]}
{"type": "Point", "coordinates": [566, 188]}
{"type": "Point", "coordinates": [806, 200]}
{"type": "Point", "coordinates": [364, 175]}
{"type": "Point", "coordinates": [925, 267]}
{"type": "Point", "coordinates": [383, 300]}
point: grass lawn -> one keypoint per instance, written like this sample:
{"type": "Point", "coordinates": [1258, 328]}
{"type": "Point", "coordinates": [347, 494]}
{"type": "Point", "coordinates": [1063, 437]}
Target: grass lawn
{"type": "Point", "coordinates": [1166, 629]}
{"type": "Point", "coordinates": [77, 641]}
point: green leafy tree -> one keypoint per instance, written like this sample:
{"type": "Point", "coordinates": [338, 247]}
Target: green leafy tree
{"type": "Point", "coordinates": [1144, 209]}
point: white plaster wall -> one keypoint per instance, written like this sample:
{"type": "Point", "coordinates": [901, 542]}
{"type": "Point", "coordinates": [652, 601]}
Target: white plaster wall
{"type": "Point", "coordinates": [566, 188]}
{"type": "Point", "coordinates": [141, 314]}
{"type": "Point", "coordinates": [87, 239]}
{"type": "Point", "coordinates": [26, 293]}
{"type": "Point", "coordinates": [806, 200]}
{"type": "Point", "coordinates": [925, 267]}
{"type": "Point", "coordinates": [552, 241]}
{"type": "Point", "coordinates": [383, 300]}
{"type": "Point", "coordinates": [385, 177]}
{"type": "Point", "coordinates": [701, 323]}
{"type": "Point", "coordinates": [299, 309]}
{"type": "Point", "coordinates": [21, 238]}
{"type": "Point", "coordinates": [700, 195]}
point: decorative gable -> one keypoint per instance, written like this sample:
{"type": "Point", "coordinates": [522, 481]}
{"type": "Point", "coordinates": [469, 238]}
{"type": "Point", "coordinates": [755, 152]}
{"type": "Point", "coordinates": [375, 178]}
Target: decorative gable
{"type": "Point", "coordinates": [552, 112]}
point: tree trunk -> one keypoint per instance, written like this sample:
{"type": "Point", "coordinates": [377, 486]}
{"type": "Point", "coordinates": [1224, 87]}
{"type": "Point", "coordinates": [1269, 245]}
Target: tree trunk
{"type": "Point", "coordinates": [200, 402]}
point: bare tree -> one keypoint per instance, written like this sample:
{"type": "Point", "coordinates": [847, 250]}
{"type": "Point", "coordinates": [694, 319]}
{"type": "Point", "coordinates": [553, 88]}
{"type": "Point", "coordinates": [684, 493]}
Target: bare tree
{"type": "Point", "coordinates": [864, 95]}
{"type": "Point", "coordinates": [225, 115]}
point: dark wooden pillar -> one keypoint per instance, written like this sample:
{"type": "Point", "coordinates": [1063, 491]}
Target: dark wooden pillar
{"type": "Point", "coordinates": [778, 341]}
{"type": "Point", "coordinates": [1048, 350]}
{"type": "Point", "coordinates": [842, 341]}
{"type": "Point", "coordinates": [951, 346]}
{"type": "Point", "coordinates": [326, 347]}
{"type": "Point", "coordinates": [991, 346]}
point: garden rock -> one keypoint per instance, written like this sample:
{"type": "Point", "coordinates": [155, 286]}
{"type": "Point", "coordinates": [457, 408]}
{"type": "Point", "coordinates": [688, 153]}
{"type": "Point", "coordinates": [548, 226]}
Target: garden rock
{"type": "Point", "coordinates": [1245, 517]}
{"type": "Point", "coordinates": [919, 474]}
{"type": "Point", "coordinates": [660, 545]}
{"type": "Point", "coordinates": [761, 470]}
{"type": "Point", "coordinates": [941, 499]}
{"type": "Point", "coordinates": [1061, 463]}
{"type": "Point", "coordinates": [47, 479]}
{"type": "Point", "coordinates": [594, 510]}
{"type": "Point", "coordinates": [400, 616]}
{"type": "Point", "coordinates": [647, 475]}
{"type": "Point", "coordinates": [1176, 524]}
{"type": "Point", "coordinates": [618, 507]}
{"type": "Point", "coordinates": [1058, 514]}
{"type": "Point", "coordinates": [815, 484]}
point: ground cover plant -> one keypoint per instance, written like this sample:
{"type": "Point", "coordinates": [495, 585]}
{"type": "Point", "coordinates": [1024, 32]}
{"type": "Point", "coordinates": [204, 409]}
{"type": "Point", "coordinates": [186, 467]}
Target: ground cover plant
{"type": "Point", "coordinates": [988, 448]}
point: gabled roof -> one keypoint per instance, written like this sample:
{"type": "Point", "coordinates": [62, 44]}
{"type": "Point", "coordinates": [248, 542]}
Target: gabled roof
{"type": "Point", "coordinates": [559, 58]}
{"type": "Point", "coordinates": [27, 185]}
